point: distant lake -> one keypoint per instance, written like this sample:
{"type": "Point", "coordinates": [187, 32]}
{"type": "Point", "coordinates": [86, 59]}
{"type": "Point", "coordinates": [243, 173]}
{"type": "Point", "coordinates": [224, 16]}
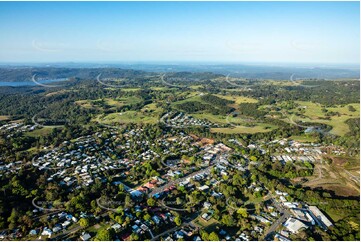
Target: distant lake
{"type": "Point", "coordinates": [30, 83]}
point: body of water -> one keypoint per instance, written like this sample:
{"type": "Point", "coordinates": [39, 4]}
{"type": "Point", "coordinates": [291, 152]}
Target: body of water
{"type": "Point", "coordinates": [30, 83]}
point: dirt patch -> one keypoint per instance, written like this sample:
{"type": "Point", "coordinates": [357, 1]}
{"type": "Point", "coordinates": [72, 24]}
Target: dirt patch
{"type": "Point", "coordinates": [341, 190]}
{"type": "Point", "coordinates": [205, 141]}
{"type": "Point", "coordinates": [333, 179]}
{"type": "Point", "coordinates": [338, 161]}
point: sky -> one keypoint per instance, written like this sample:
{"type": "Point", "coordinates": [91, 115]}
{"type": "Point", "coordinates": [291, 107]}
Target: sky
{"type": "Point", "coordinates": [237, 32]}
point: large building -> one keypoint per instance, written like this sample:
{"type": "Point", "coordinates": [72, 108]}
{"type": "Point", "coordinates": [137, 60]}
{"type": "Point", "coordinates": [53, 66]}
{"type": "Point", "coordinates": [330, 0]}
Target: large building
{"type": "Point", "coordinates": [294, 225]}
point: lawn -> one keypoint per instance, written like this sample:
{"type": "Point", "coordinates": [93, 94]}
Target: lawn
{"type": "Point", "coordinates": [42, 132]}
{"type": "Point", "coordinates": [207, 225]}
{"type": "Point", "coordinates": [258, 128]}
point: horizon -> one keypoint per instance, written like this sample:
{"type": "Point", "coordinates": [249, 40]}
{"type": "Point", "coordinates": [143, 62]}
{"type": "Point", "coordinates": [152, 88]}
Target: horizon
{"type": "Point", "coordinates": [270, 33]}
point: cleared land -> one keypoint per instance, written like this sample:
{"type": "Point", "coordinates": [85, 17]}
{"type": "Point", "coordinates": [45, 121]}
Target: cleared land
{"type": "Point", "coordinates": [258, 128]}
{"type": "Point", "coordinates": [42, 132]}
{"type": "Point", "coordinates": [4, 117]}
{"type": "Point", "coordinates": [313, 112]}
{"type": "Point", "coordinates": [99, 104]}
{"type": "Point", "coordinates": [128, 117]}
{"type": "Point", "coordinates": [336, 176]}
{"type": "Point", "coordinates": [238, 99]}
{"type": "Point", "coordinates": [303, 138]}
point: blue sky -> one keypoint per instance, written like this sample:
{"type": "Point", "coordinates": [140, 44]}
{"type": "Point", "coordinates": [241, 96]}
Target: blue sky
{"type": "Point", "coordinates": [289, 32]}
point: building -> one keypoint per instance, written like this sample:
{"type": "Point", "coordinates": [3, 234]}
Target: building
{"type": "Point", "coordinates": [294, 225]}
{"type": "Point", "coordinates": [321, 219]}
{"type": "Point", "coordinates": [85, 237]}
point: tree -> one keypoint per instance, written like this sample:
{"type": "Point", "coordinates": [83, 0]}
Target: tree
{"type": "Point", "coordinates": [204, 235]}
{"type": "Point", "coordinates": [243, 212]}
{"type": "Point", "coordinates": [351, 108]}
{"type": "Point", "coordinates": [146, 217]}
{"type": "Point", "coordinates": [105, 235]}
{"type": "Point", "coordinates": [151, 202]}
{"type": "Point", "coordinates": [253, 158]}
{"type": "Point", "coordinates": [227, 220]}
{"type": "Point", "coordinates": [128, 201]}
{"type": "Point", "coordinates": [121, 188]}
{"type": "Point", "coordinates": [119, 219]}
{"type": "Point", "coordinates": [84, 222]}
{"type": "Point", "coordinates": [213, 237]}
{"type": "Point", "coordinates": [178, 221]}
{"type": "Point", "coordinates": [13, 218]}
{"type": "Point", "coordinates": [134, 237]}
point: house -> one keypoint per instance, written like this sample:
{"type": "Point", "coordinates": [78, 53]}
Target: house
{"type": "Point", "coordinates": [116, 226]}
{"type": "Point", "coordinates": [179, 235]}
{"type": "Point", "coordinates": [283, 199]}
{"type": "Point", "coordinates": [203, 188]}
{"type": "Point", "coordinates": [207, 205]}
{"type": "Point", "coordinates": [294, 225]}
{"type": "Point", "coordinates": [136, 229]}
{"type": "Point", "coordinates": [66, 224]}
{"type": "Point", "coordinates": [136, 193]}
{"type": "Point", "coordinates": [206, 216]}
{"type": "Point", "coordinates": [47, 232]}
{"type": "Point", "coordinates": [85, 236]}
{"type": "Point", "coordinates": [281, 237]}
{"type": "Point", "coordinates": [156, 219]}
{"type": "Point", "coordinates": [197, 238]}
{"type": "Point", "coordinates": [290, 205]}
{"type": "Point", "coordinates": [56, 229]}
{"type": "Point", "coordinates": [34, 231]}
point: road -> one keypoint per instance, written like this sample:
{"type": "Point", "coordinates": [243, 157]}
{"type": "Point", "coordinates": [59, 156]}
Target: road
{"type": "Point", "coordinates": [189, 222]}
{"type": "Point", "coordinates": [353, 177]}
{"type": "Point", "coordinates": [179, 180]}
{"type": "Point", "coordinates": [66, 233]}
{"type": "Point", "coordinates": [285, 215]}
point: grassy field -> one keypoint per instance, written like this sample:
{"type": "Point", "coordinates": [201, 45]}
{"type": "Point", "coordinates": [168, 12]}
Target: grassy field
{"type": "Point", "coordinates": [193, 96]}
{"type": "Point", "coordinates": [4, 117]}
{"type": "Point", "coordinates": [131, 89]}
{"type": "Point", "coordinates": [128, 117]}
{"type": "Point", "coordinates": [238, 99]}
{"type": "Point", "coordinates": [303, 138]}
{"type": "Point", "coordinates": [220, 119]}
{"type": "Point", "coordinates": [42, 132]}
{"type": "Point", "coordinates": [195, 86]}
{"type": "Point", "coordinates": [152, 108]}
{"type": "Point", "coordinates": [160, 88]}
{"type": "Point", "coordinates": [258, 128]}
{"type": "Point", "coordinates": [314, 113]}
{"type": "Point", "coordinates": [118, 102]}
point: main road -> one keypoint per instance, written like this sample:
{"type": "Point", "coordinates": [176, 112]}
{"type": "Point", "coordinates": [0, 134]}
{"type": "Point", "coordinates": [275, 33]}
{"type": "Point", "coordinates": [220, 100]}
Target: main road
{"type": "Point", "coordinates": [285, 215]}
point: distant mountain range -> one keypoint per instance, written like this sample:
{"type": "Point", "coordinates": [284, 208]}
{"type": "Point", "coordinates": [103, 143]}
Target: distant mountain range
{"type": "Point", "coordinates": [89, 70]}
